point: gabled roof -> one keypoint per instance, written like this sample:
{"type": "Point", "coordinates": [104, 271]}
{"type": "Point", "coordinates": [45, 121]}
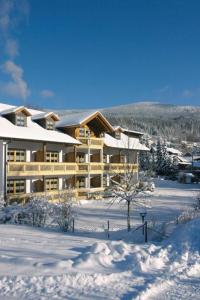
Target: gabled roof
{"type": "Point", "coordinates": [45, 115]}
{"type": "Point", "coordinates": [16, 109]}
{"type": "Point", "coordinates": [125, 142]}
{"type": "Point", "coordinates": [174, 151]}
{"type": "Point", "coordinates": [80, 119]}
{"type": "Point", "coordinates": [122, 129]}
{"type": "Point", "coordinates": [33, 132]}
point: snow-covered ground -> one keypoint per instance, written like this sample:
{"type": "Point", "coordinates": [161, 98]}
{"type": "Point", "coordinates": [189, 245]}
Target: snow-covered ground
{"type": "Point", "coordinates": [47, 264]}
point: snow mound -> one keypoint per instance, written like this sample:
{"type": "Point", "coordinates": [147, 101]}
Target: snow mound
{"type": "Point", "coordinates": [102, 254]}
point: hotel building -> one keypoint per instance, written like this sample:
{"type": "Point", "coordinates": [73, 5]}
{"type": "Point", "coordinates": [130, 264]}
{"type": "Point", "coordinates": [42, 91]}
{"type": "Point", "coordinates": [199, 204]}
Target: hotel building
{"type": "Point", "coordinates": [43, 154]}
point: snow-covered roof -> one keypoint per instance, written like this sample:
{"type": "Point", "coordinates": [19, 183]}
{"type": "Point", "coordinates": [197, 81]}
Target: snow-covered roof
{"type": "Point", "coordinates": [124, 142]}
{"type": "Point", "coordinates": [174, 151]}
{"type": "Point", "coordinates": [15, 109]}
{"type": "Point", "coordinates": [44, 115]}
{"type": "Point", "coordinates": [127, 130]}
{"type": "Point", "coordinates": [33, 131]}
{"type": "Point", "coordinates": [75, 119]}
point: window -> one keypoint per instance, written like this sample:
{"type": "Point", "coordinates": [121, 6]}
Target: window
{"type": "Point", "coordinates": [104, 158]}
{"type": "Point", "coordinates": [117, 135]}
{"type": "Point", "coordinates": [122, 159]}
{"type": "Point", "coordinates": [20, 120]}
{"type": "Point", "coordinates": [51, 184]}
{"type": "Point", "coordinates": [15, 186]}
{"type": "Point", "coordinates": [16, 155]}
{"type": "Point", "coordinates": [84, 132]}
{"type": "Point", "coordinates": [80, 158]}
{"type": "Point", "coordinates": [81, 183]}
{"type": "Point", "coordinates": [81, 132]}
{"type": "Point", "coordinates": [50, 124]}
{"type": "Point", "coordinates": [52, 156]}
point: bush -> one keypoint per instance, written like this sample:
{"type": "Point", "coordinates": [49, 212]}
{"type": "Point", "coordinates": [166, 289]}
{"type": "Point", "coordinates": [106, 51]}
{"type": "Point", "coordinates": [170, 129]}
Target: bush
{"type": "Point", "coordinates": [63, 216]}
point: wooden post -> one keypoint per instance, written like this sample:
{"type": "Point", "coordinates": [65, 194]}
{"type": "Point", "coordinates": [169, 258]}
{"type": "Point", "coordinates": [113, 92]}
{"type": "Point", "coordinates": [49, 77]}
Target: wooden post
{"type": "Point", "coordinates": [44, 152]}
{"type": "Point", "coordinates": [145, 232]}
{"type": "Point", "coordinates": [108, 229]}
{"type": "Point", "coordinates": [73, 225]}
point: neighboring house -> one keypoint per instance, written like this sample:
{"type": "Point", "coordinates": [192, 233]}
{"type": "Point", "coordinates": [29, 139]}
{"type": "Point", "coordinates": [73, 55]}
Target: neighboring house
{"type": "Point", "coordinates": [41, 154]}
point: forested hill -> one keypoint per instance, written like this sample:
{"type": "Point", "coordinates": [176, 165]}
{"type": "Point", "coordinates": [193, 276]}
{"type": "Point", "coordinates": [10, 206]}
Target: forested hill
{"type": "Point", "coordinates": [182, 122]}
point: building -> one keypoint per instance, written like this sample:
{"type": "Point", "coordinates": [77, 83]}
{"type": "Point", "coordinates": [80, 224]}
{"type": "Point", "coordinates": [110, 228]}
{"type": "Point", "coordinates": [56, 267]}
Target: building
{"type": "Point", "coordinates": [41, 154]}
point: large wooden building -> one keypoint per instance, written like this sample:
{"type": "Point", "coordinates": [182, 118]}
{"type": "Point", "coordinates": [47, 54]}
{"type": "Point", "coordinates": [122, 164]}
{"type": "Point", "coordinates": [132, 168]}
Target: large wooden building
{"type": "Point", "coordinates": [41, 154]}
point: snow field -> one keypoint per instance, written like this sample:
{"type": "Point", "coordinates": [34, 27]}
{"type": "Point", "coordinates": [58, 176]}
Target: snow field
{"type": "Point", "coordinates": [47, 264]}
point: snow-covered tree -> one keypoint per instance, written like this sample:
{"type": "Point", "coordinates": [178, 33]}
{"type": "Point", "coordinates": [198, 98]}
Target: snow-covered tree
{"type": "Point", "coordinates": [129, 190]}
{"type": "Point", "coordinates": [165, 164]}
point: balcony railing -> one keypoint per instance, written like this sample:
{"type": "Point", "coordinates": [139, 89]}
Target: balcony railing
{"type": "Point", "coordinates": [40, 168]}
{"type": "Point", "coordinates": [120, 168]}
{"type": "Point", "coordinates": [25, 169]}
{"type": "Point", "coordinates": [91, 142]}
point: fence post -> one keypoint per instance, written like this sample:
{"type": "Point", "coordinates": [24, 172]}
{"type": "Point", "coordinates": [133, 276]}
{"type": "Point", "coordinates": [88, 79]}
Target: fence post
{"type": "Point", "coordinates": [145, 232]}
{"type": "Point", "coordinates": [108, 229]}
{"type": "Point", "coordinates": [73, 225]}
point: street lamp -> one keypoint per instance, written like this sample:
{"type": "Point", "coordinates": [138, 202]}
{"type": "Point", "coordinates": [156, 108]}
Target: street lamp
{"type": "Point", "coordinates": [143, 215]}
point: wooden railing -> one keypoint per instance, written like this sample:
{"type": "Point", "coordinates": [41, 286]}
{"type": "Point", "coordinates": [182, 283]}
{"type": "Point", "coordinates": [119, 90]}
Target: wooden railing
{"type": "Point", "coordinates": [91, 142]}
{"type": "Point", "coordinates": [40, 168]}
{"type": "Point", "coordinates": [24, 169]}
{"type": "Point", "coordinates": [120, 168]}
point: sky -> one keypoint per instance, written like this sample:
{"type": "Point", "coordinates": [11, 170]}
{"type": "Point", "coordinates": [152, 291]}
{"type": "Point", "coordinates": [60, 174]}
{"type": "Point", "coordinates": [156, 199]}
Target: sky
{"type": "Point", "coordinates": [99, 53]}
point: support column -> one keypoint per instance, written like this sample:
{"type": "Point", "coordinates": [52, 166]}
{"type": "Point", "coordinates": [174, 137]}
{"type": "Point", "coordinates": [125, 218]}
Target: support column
{"type": "Point", "coordinates": [28, 156]}
{"type": "Point", "coordinates": [60, 159]}
{"type": "Point", "coordinates": [60, 184]}
{"type": "Point", "coordinates": [3, 168]}
{"type": "Point", "coordinates": [44, 152]}
{"type": "Point", "coordinates": [28, 186]}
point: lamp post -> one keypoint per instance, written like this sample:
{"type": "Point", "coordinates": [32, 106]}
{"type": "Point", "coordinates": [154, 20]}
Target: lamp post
{"type": "Point", "coordinates": [143, 215]}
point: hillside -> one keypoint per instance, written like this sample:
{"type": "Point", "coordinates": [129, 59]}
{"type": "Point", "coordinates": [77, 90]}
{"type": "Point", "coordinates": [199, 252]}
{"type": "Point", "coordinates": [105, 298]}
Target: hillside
{"type": "Point", "coordinates": [171, 121]}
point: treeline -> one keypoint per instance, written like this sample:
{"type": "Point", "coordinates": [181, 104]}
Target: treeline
{"type": "Point", "coordinates": [180, 128]}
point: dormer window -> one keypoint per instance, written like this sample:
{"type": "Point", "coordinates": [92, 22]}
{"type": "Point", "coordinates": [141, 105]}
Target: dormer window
{"type": "Point", "coordinates": [20, 120]}
{"type": "Point", "coordinates": [118, 135]}
{"type": "Point", "coordinates": [46, 120]}
{"type": "Point", "coordinates": [50, 124]}
{"type": "Point", "coordinates": [17, 115]}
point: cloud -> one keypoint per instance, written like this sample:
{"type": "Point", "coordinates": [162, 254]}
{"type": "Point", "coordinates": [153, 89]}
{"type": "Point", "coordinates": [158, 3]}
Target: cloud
{"type": "Point", "coordinates": [12, 47]}
{"type": "Point", "coordinates": [12, 13]}
{"type": "Point", "coordinates": [47, 93]}
{"type": "Point", "coordinates": [17, 87]}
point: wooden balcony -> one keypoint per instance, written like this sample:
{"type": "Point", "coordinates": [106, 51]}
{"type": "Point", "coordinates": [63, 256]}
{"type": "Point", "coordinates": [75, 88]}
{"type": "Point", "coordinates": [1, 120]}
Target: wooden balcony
{"type": "Point", "coordinates": [40, 169]}
{"type": "Point", "coordinates": [116, 168]}
{"type": "Point", "coordinates": [27, 169]}
{"type": "Point", "coordinates": [94, 143]}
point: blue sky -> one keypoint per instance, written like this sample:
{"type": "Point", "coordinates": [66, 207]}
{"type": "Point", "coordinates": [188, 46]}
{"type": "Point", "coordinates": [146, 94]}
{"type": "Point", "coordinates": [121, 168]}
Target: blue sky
{"type": "Point", "coordinates": [99, 53]}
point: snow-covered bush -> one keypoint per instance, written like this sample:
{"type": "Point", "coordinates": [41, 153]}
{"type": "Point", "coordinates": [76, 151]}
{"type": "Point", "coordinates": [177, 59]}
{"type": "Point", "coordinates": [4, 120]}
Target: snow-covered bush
{"type": "Point", "coordinates": [62, 212]}
{"type": "Point", "coordinates": [36, 212]}
{"type": "Point", "coordinates": [188, 215]}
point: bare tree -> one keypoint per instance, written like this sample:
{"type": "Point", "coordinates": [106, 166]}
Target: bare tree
{"type": "Point", "coordinates": [130, 190]}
